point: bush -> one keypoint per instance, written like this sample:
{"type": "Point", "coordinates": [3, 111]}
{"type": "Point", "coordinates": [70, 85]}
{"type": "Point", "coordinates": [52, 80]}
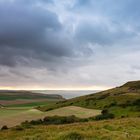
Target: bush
{"type": "Point", "coordinates": [36, 122]}
{"type": "Point", "coordinates": [60, 120]}
{"type": "Point", "coordinates": [104, 111]}
{"type": "Point", "coordinates": [53, 120]}
{"type": "Point", "coordinates": [105, 115]}
{"type": "Point", "coordinates": [4, 127]}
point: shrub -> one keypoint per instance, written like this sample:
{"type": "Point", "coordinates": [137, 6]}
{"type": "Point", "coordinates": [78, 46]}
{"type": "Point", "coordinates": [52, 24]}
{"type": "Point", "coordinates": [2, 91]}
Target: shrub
{"type": "Point", "coordinates": [60, 120]}
{"type": "Point", "coordinates": [105, 115]}
{"type": "Point", "coordinates": [104, 111]}
{"type": "Point", "coordinates": [4, 127]}
{"type": "Point", "coordinates": [36, 122]}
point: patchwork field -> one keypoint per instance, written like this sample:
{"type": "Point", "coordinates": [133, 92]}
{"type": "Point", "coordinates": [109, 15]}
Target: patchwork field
{"type": "Point", "coordinates": [121, 104]}
{"type": "Point", "coordinates": [116, 129]}
{"type": "Point", "coordinates": [79, 112]}
{"type": "Point", "coordinates": [26, 98]}
{"type": "Point", "coordinates": [8, 116]}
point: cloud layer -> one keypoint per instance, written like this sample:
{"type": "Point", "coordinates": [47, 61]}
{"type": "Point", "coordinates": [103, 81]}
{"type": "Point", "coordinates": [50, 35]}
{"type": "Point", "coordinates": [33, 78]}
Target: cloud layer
{"type": "Point", "coordinates": [69, 44]}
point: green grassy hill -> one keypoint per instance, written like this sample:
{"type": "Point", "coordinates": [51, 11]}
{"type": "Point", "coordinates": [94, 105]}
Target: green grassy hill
{"type": "Point", "coordinates": [11, 98]}
{"type": "Point", "coordinates": [115, 129]}
{"type": "Point", "coordinates": [123, 101]}
{"type": "Point", "coordinates": [13, 95]}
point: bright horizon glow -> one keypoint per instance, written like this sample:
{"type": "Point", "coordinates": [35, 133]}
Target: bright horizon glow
{"type": "Point", "coordinates": [66, 88]}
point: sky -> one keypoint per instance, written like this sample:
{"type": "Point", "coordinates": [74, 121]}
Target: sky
{"type": "Point", "coordinates": [69, 44]}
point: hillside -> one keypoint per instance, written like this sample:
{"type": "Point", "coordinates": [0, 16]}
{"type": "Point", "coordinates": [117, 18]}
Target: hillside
{"type": "Point", "coordinates": [12, 97]}
{"type": "Point", "coordinates": [122, 101]}
{"type": "Point", "coordinates": [18, 106]}
{"type": "Point", "coordinates": [116, 129]}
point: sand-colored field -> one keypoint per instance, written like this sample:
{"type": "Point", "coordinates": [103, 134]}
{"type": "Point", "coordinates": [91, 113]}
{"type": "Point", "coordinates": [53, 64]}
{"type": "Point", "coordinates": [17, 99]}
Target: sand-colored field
{"type": "Point", "coordinates": [14, 117]}
{"type": "Point", "coordinates": [74, 110]}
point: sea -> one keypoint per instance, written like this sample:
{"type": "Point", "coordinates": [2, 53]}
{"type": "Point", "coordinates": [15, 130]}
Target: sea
{"type": "Point", "coordinates": [68, 94]}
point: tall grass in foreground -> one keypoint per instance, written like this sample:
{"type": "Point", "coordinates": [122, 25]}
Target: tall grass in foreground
{"type": "Point", "coordinates": [115, 129]}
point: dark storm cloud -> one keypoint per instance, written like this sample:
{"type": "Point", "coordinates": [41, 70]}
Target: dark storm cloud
{"type": "Point", "coordinates": [29, 31]}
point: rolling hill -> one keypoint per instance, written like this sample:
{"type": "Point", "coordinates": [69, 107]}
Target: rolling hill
{"type": "Point", "coordinates": [123, 101]}
{"type": "Point", "coordinates": [12, 97]}
{"type": "Point", "coordinates": [21, 94]}
{"type": "Point", "coordinates": [18, 106]}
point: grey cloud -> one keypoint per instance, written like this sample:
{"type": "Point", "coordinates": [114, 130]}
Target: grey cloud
{"type": "Point", "coordinates": [29, 31]}
{"type": "Point", "coordinates": [125, 10]}
{"type": "Point", "coordinates": [101, 33]}
{"type": "Point", "coordinates": [64, 45]}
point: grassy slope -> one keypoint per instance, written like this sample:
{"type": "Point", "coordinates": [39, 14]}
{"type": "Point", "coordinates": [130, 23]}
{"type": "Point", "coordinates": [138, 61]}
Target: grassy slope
{"type": "Point", "coordinates": [122, 101]}
{"type": "Point", "coordinates": [15, 116]}
{"type": "Point", "coordinates": [117, 129]}
{"type": "Point", "coordinates": [13, 95]}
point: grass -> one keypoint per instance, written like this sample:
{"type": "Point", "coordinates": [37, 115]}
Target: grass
{"type": "Point", "coordinates": [121, 101]}
{"type": "Point", "coordinates": [73, 110]}
{"type": "Point", "coordinates": [116, 129]}
{"type": "Point", "coordinates": [14, 116]}
{"type": "Point", "coordinates": [33, 104]}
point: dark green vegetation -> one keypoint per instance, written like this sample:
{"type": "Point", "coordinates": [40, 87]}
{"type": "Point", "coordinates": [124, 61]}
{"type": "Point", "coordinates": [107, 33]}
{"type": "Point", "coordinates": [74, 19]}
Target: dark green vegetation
{"type": "Point", "coordinates": [123, 101]}
{"type": "Point", "coordinates": [67, 119]}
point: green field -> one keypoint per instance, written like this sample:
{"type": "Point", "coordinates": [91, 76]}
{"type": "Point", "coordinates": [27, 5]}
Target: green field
{"type": "Point", "coordinates": [15, 116]}
{"type": "Point", "coordinates": [116, 129]}
{"type": "Point", "coordinates": [33, 104]}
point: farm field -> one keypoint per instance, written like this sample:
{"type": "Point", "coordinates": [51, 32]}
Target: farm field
{"type": "Point", "coordinates": [8, 116]}
{"type": "Point", "coordinates": [116, 129]}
